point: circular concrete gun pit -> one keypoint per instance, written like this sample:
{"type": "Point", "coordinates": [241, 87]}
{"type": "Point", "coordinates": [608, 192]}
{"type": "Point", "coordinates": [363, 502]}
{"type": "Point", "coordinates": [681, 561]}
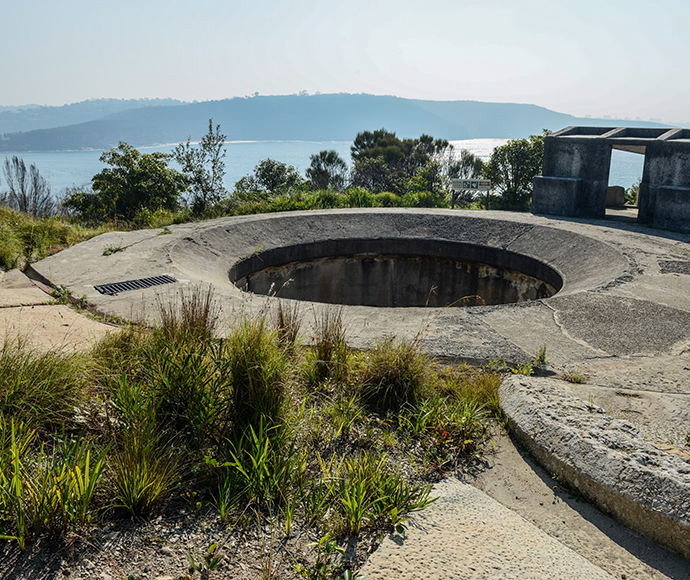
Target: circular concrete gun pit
{"type": "Point", "coordinates": [396, 273]}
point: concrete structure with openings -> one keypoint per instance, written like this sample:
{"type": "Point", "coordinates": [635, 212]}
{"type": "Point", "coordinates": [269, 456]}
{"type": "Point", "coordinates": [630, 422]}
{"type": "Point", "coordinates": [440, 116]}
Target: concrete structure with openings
{"type": "Point", "coordinates": [575, 176]}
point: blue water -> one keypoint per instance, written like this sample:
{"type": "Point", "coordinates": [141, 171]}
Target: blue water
{"type": "Point", "coordinates": [76, 168]}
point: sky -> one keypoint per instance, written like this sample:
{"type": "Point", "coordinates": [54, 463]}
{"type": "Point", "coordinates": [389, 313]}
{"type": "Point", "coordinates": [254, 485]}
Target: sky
{"type": "Point", "coordinates": [618, 58]}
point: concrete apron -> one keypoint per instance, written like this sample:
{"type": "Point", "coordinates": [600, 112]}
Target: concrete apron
{"type": "Point", "coordinates": [29, 314]}
{"type": "Point", "coordinates": [621, 317]}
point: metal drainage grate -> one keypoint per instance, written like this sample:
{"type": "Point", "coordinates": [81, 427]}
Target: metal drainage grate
{"type": "Point", "coordinates": [115, 287]}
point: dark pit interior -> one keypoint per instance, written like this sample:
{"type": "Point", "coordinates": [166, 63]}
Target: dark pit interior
{"type": "Point", "coordinates": [396, 273]}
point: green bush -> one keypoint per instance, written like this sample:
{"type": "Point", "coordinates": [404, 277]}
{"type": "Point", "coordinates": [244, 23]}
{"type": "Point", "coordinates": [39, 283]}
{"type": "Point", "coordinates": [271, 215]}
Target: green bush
{"type": "Point", "coordinates": [386, 199]}
{"type": "Point", "coordinates": [359, 197]}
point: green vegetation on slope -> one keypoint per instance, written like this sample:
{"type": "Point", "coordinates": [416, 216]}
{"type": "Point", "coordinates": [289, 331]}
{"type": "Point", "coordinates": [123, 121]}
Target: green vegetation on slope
{"type": "Point", "coordinates": [265, 425]}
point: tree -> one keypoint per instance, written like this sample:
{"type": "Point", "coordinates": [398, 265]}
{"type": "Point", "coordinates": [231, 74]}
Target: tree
{"type": "Point", "coordinates": [383, 162]}
{"type": "Point", "coordinates": [328, 170]}
{"type": "Point", "coordinates": [512, 169]}
{"type": "Point", "coordinates": [466, 166]}
{"type": "Point", "coordinates": [270, 178]}
{"type": "Point", "coordinates": [28, 191]}
{"type": "Point", "coordinates": [134, 181]}
{"type": "Point", "coordinates": [204, 168]}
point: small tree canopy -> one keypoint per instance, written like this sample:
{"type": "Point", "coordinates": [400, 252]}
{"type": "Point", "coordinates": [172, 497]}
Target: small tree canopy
{"type": "Point", "coordinates": [328, 170]}
{"type": "Point", "coordinates": [28, 191]}
{"type": "Point", "coordinates": [134, 181]}
{"type": "Point", "coordinates": [270, 178]}
{"type": "Point", "coordinates": [512, 169]}
{"type": "Point", "coordinates": [383, 162]}
{"type": "Point", "coordinates": [204, 168]}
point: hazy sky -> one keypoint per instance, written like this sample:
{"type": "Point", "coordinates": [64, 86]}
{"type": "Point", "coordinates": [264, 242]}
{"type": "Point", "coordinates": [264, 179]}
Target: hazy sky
{"type": "Point", "coordinates": [624, 58]}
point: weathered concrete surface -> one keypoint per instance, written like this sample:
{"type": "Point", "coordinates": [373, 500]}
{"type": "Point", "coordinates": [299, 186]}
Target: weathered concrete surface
{"type": "Point", "coordinates": [605, 458]}
{"type": "Point", "coordinates": [29, 314]}
{"type": "Point", "coordinates": [467, 535]}
{"type": "Point", "coordinates": [509, 475]}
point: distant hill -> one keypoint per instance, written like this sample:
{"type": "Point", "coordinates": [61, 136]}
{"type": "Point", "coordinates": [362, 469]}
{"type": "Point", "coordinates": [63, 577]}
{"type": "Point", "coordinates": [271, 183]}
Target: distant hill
{"type": "Point", "coordinates": [334, 117]}
{"type": "Point", "coordinates": [32, 117]}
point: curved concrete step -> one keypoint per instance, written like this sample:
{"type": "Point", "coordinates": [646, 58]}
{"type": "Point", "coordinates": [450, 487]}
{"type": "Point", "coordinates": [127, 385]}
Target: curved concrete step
{"type": "Point", "coordinates": [466, 534]}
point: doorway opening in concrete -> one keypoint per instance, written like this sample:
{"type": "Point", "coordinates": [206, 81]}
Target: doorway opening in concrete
{"type": "Point", "coordinates": [625, 176]}
{"type": "Point", "coordinates": [396, 273]}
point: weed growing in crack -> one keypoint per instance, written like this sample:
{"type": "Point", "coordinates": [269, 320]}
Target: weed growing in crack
{"type": "Point", "coordinates": [574, 377]}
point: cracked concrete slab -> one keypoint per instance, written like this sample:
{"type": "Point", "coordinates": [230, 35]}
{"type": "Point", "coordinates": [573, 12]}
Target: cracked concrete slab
{"type": "Point", "coordinates": [17, 290]}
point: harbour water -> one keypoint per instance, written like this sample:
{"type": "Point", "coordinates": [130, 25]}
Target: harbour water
{"type": "Point", "coordinates": [76, 168]}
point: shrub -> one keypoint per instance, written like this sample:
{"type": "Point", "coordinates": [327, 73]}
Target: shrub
{"type": "Point", "coordinates": [423, 199]}
{"type": "Point", "coordinates": [359, 197]}
{"type": "Point", "coordinates": [326, 199]}
{"type": "Point", "coordinates": [386, 199]}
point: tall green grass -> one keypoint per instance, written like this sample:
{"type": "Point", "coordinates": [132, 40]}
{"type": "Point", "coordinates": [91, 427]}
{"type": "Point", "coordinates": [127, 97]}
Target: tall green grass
{"type": "Point", "coordinates": [258, 368]}
{"type": "Point", "coordinates": [41, 387]}
{"type": "Point", "coordinates": [329, 355]}
{"type": "Point", "coordinates": [49, 490]}
{"type": "Point", "coordinates": [25, 239]}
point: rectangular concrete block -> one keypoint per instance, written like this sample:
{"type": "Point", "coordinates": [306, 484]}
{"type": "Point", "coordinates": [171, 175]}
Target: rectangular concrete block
{"type": "Point", "coordinates": [615, 196]}
{"type": "Point", "coordinates": [556, 195]}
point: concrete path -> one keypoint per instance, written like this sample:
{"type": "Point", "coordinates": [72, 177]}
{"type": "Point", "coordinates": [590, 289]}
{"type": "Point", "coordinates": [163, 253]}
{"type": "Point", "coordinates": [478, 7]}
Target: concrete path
{"type": "Point", "coordinates": [468, 535]}
{"type": "Point", "coordinates": [30, 314]}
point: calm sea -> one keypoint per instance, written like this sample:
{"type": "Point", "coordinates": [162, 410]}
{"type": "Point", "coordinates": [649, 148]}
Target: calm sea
{"type": "Point", "coordinates": [69, 168]}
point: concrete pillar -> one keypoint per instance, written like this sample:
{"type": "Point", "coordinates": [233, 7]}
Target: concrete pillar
{"type": "Point", "coordinates": [575, 177]}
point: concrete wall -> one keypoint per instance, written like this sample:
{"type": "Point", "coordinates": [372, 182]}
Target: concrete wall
{"type": "Point", "coordinates": [576, 170]}
{"type": "Point", "coordinates": [666, 170]}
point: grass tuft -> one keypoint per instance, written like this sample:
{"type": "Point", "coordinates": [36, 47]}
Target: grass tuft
{"type": "Point", "coordinates": [394, 374]}
{"type": "Point", "coordinates": [195, 314]}
{"type": "Point", "coordinates": [258, 368]}
{"type": "Point", "coordinates": [40, 387]}
{"type": "Point", "coordinates": [329, 355]}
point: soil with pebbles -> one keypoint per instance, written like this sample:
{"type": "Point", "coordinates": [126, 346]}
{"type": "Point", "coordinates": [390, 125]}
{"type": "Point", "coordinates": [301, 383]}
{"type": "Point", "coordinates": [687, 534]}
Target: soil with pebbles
{"type": "Point", "coordinates": [158, 549]}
